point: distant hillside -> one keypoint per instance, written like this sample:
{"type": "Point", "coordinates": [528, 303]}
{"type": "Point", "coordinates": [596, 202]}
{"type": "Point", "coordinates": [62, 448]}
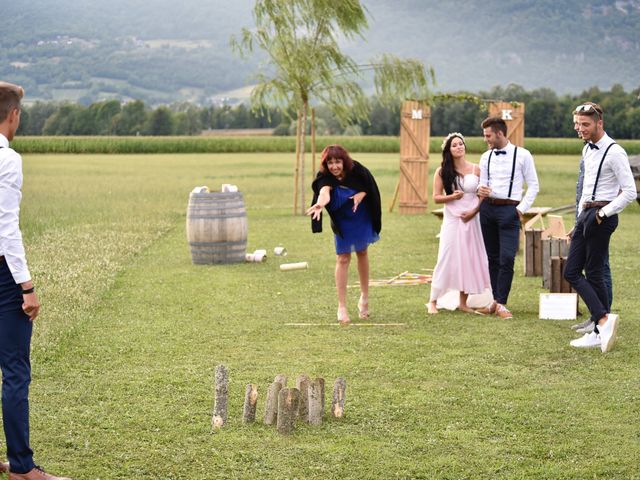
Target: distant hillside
{"type": "Point", "coordinates": [162, 51]}
{"type": "Point", "coordinates": [566, 45]}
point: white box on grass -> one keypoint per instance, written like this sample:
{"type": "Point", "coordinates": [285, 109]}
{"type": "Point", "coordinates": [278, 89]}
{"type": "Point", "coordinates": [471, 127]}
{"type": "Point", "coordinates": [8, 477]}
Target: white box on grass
{"type": "Point", "coordinates": [558, 306]}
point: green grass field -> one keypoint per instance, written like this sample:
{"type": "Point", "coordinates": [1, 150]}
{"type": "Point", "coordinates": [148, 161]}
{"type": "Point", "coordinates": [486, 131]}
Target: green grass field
{"type": "Point", "coordinates": [130, 333]}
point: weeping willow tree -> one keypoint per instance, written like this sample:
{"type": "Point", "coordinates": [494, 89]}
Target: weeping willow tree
{"type": "Point", "coordinates": [305, 64]}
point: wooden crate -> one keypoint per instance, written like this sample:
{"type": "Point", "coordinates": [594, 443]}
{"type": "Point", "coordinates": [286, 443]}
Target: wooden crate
{"type": "Point", "coordinates": [558, 282]}
{"type": "Point", "coordinates": [533, 252]}
{"type": "Point", "coordinates": [552, 247]}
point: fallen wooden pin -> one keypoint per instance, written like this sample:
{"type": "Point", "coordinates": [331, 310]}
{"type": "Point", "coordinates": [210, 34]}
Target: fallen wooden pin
{"type": "Point", "coordinates": [347, 325]}
{"type": "Point", "coordinates": [287, 267]}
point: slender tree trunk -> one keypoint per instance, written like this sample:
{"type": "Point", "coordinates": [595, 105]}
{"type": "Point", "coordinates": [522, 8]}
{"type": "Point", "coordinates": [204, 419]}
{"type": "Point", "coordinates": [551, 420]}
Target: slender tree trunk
{"type": "Point", "coordinates": [296, 171]}
{"type": "Point", "coordinates": [303, 134]}
{"type": "Point", "coordinates": [313, 142]}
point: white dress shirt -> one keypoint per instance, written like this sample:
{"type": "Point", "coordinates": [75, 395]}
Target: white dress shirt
{"type": "Point", "coordinates": [10, 195]}
{"type": "Point", "coordinates": [498, 175]}
{"type": "Point", "coordinates": [615, 185]}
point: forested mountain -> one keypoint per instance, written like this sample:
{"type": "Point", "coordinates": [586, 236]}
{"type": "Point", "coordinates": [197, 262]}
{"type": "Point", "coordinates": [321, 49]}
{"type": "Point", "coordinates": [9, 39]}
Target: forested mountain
{"type": "Point", "coordinates": [162, 51]}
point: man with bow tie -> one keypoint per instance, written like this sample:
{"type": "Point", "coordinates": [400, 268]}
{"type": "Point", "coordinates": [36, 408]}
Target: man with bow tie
{"type": "Point", "coordinates": [587, 326]}
{"type": "Point", "coordinates": [504, 170]}
{"type": "Point", "coordinates": [608, 187]}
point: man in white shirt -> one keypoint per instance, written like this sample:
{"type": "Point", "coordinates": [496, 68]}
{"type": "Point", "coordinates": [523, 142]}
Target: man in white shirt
{"type": "Point", "coordinates": [19, 305]}
{"type": "Point", "coordinates": [504, 169]}
{"type": "Point", "coordinates": [608, 187]}
{"type": "Point", "coordinates": [587, 326]}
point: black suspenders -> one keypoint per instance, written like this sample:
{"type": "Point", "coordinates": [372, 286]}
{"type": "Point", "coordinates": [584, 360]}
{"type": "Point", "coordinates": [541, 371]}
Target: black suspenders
{"type": "Point", "coordinates": [513, 168]}
{"type": "Point", "coordinates": [595, 185]}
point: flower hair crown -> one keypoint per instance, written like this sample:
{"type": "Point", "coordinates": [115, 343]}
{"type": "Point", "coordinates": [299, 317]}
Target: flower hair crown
{"type": "Point", "coordinates": [449, 137]}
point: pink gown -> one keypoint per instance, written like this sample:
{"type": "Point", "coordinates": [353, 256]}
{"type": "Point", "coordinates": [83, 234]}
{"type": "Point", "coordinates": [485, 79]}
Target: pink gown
{"type": "Point", "coordinates": [462, 259]}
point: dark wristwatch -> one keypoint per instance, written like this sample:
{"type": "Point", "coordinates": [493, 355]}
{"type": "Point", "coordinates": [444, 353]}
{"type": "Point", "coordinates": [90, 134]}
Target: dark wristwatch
{"type": "Point", "coordinates": [601, 215]}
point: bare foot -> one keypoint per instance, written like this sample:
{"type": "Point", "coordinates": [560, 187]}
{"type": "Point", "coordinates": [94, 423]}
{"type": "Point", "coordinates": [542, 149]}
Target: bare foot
{"type": "Point", "coordinates": [465, 308]}
{"type": "Point", "coordinates": [431, 308]}
{"type": "Point", "coordinates": [363, 308]}
{"type": "Point", "coordinates": [343, 316]}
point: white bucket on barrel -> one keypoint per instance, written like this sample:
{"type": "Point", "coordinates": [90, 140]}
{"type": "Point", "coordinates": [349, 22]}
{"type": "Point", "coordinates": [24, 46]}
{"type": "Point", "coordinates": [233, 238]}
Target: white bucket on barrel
{"type": "Point", "coordinates": [217, 227]}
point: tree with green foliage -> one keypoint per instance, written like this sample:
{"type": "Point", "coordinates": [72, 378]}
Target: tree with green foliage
{"type": "Point", "coordinates": [104, 114]}
{"type": "Point", "coordinates": [62, 121]}
{"type": "Point", "coordinates": [131, 119]}
{"type": "Point", "coordinates": [160, 122]}
{"type": "Point", "coordinates": [187, 119]}
{"type": "Point", "coordinates": [300, 38]}
{"type": "Point", "coordinates": [34, 117]}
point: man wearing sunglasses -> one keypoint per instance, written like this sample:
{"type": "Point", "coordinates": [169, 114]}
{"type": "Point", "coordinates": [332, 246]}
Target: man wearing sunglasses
{"type": "Point", "coordinates": [608, 187]}
{"type": "Point", "coordinates": [587, 326]}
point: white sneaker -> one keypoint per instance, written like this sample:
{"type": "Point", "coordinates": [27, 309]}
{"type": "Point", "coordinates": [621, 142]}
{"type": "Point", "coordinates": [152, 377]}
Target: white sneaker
{"type": "Point", "coordinates": [608, 332]}
{"type": "Point", "coordinates": [588, 340]}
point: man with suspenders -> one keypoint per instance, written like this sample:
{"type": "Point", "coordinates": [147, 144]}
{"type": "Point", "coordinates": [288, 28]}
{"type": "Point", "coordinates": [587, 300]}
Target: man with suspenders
{"type": "Point", "coordinates": [587, 326]}
{"type": "Point", "coordinates": [608, 187]}
{"type": "Point", "coordinates": [504, 170]}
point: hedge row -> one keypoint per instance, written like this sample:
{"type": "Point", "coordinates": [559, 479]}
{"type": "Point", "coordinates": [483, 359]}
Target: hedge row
{"type": "Point", "coordinates": [371, 144]}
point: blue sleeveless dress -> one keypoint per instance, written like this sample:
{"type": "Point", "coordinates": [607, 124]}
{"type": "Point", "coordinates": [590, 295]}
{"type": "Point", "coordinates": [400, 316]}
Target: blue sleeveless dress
{"type": "Point", "coordinates": [357, 229]}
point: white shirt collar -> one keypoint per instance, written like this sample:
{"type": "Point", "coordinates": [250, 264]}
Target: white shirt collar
{"type": "Point", "coordinates": [508, 146]}
{"type": "Point", "coordinates": [604, 141]}
{"type": "Point", "coordinates": [3, 141]}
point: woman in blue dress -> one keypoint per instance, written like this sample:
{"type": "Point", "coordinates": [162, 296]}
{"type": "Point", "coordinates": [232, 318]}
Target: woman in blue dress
{"type": "Point", "coordinates": [351, 196]}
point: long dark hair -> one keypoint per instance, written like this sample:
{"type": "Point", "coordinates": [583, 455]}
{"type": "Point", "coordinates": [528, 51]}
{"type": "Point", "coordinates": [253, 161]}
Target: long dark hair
{"type": "Point", "coordinates": [450, 178]}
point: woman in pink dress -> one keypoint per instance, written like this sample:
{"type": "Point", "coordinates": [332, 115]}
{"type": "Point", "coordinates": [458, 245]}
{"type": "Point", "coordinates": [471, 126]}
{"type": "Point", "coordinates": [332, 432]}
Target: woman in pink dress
{"type": "Point", "coordinates": [462, 268]}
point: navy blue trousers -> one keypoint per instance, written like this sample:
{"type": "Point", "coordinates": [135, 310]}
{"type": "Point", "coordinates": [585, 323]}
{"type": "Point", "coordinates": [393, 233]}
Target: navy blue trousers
{"type": "Point", "coordinates": [15, 341]}
{"type": "Point", "coordinates": [608, 281]}
{"type": "Point", "coordinates": [589, 252]}
{"type": "Point", "coordinates": [501, 233]}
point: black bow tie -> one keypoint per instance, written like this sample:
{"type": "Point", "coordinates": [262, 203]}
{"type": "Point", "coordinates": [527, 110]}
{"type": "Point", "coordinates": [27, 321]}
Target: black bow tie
{"type": "Point", "coordinates": [500, 152]}
{"type": "Point", "coordinates": [593, 146]}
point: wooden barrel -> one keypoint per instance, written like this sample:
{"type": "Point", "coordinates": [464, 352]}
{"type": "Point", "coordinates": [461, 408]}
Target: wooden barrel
{"type": "Point", "coordinates": [217, 227]}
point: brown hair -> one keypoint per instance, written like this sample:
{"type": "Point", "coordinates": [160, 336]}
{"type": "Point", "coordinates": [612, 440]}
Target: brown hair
{"type": "Point", "coordinates": [10, 96]}
{"type": "Point", "coordinates": [497, 124]}
{"type": "Point", "coordinates": [594, 111]}
{"type": "Point", "coordinates": [337, 152]}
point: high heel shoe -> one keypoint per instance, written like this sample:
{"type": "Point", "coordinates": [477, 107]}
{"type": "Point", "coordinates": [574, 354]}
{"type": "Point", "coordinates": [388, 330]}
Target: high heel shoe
{"type": "Point", "coordinates": [363, 308]}
{"type": "Point", "coordinates": [343, 316]}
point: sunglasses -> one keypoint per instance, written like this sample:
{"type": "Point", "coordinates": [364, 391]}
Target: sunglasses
{"type": "Point", "coordinates": [586, 108]}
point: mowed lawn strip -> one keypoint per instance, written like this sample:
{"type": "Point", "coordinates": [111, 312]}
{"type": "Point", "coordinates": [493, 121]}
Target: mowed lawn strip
{"type": "Point", "coordinates": [132, 331]}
